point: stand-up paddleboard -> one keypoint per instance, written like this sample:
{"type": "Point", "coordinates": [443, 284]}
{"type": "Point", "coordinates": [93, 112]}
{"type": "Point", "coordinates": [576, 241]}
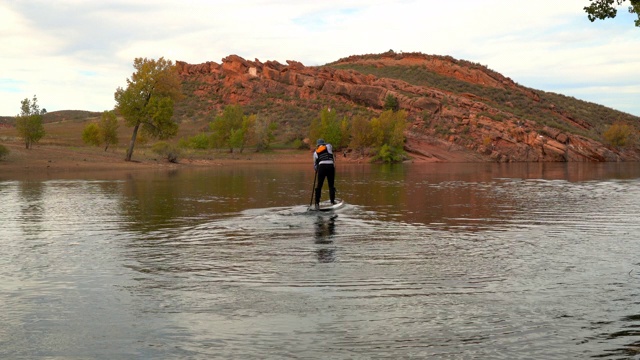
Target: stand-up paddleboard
{"type": "Point", "coordinates": [328, 206]}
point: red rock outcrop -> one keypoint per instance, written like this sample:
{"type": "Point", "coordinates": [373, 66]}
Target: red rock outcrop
{"type": "Point", "coordinates": [445, 126]}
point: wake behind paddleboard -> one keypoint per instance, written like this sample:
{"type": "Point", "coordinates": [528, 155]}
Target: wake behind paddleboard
{"type": "Point", "coordinates": [327, 206]}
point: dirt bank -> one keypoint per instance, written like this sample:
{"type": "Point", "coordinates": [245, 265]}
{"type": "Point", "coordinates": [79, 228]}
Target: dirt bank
{"type": "Point", "coordinates": [54, 160]}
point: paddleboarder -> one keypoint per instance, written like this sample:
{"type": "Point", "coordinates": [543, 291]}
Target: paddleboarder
{"type": "Point", "coordinates": [323, 162]}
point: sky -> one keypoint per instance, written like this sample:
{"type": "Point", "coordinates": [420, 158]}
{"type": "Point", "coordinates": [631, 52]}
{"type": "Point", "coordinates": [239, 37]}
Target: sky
{"type": "Point", "coordinates": [74, 54]}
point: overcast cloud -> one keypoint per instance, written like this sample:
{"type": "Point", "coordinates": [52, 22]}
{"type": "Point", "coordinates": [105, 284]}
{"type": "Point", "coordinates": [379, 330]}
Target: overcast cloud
{"type": "Point", "coordinates": [74, 54]}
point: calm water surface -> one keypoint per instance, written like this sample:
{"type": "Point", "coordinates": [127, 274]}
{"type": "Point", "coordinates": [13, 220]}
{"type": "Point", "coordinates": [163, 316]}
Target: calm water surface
{"type": "Point", "coordinates": [456, 261]}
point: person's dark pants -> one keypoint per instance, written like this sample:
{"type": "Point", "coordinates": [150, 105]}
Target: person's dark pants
{"type": "Point", "coordinates": [326, 171]}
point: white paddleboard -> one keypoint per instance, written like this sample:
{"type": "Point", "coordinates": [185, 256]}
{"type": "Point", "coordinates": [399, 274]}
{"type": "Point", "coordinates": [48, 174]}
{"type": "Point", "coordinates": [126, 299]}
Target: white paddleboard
{"type": "Point", "coordinates": [328, 206]}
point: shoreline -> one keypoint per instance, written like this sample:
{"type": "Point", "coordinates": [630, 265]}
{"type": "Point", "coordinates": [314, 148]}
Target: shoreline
{"type": "Point", "coordinates": [53, 161]}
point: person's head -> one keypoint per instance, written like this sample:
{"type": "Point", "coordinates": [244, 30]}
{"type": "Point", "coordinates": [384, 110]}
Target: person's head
{"type": "Point", "coordinates": [320, 142]}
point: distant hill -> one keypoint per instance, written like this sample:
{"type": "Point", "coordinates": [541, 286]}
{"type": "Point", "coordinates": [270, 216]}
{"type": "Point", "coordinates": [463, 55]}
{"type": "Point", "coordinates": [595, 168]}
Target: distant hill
{"type": "Point", "coordinates": [459, 110]}
{"type": "Point", "coordinates": [7, 120]}
{"type": "Point", "coordinates": [70, 115]}
{"type": "Point", "coordinates": [57, 116]}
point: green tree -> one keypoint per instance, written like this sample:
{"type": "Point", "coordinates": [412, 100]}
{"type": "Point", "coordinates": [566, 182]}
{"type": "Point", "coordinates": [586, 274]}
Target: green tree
{"type": "Point", "coordinates": [199, 141]}
{"type": "Point", "coordinates": [104, 132]}
{"type": "Point", "coordinates": [91, 134]}
{"type": "Point", "coordinates": [361, 134]}
{"type": "Point", "coordinates": [344, 133]}
{"type": "Point", "coordinates": [387, 133]}
{"type": "Point", "coordinates": [329, 128]}
{"type": "Point", "coordinates": [606, 9]}
{"type": "Point", "coordinates": [108, 129]}
{"type": "Point", "coordinates": [263, 133]}
{"type": "Point", "coordinates": [29, 122]}
{"type": "Point", "coordinates": [3, 151]}
{"type": "Point", "coordinates": [389, 128]}
{"type": "Point", "coordinates": [227, 127]}
{"type": "Point", "coordinates": [148, 100]}
{"type": "Point", "coordinates": [391, 103]}
{"type": "Point", "coordinates": [241, 136]}
{"type": "Point", "coordinates": [389, 154]}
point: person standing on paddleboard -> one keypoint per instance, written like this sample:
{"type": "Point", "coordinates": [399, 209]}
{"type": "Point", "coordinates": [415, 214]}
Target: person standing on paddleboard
{"type": "Point", "coordinates": [324, 164]}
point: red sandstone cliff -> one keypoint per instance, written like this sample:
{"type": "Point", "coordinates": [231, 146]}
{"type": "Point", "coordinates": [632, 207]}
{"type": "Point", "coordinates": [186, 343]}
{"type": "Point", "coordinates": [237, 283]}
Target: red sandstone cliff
{"type": "Point", "coordinates": [445, 125]}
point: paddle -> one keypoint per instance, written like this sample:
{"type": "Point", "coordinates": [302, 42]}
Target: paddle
{"type": "Point", "coordinates": [313, 189]}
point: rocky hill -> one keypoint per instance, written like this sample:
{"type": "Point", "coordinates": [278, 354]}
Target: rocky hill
{"type": "Point", "coordinates": [458, 110]}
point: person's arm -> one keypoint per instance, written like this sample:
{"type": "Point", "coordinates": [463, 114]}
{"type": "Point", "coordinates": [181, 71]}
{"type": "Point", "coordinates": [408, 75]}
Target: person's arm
{"type": "Point", "coordinates": [315, 161]}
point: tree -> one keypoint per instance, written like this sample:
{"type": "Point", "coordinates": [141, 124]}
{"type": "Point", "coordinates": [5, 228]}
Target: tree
{"type": "Point", "coordinates": [263, 133]}
{"type": "Point", "coordinates": [104, 132]}
{"type": "Point", "coordinates": [606, 9]}
{"type": "Point", "coordinates": [108, 129]}
{"type": "Point", "coordinates": [618, 135]}
{"type": "Point", "coordinates": [387, 132]}
{"type": "Point", "coordinates": [29, 122]}
{"type": "Point", "coordinates": [361, 134]}
{"type": "Point", "coordinates": [198, 141]}
{"type": "Point", "coordinates": [227, 127]}
{"type": "Point", "coordinates": [389, 128]}
{"type": "Point", "coordinates": [240, 136]}
{"type": "Point", "coordinates": [391, 103]}
{"type": "Point", "coordinates": [3, 151]}
{"type": "Point", "coordinates": [91, 134]}
{"type": "Point", "coordinates": [329, 128]}
{"type": "Point", "coordinates": [149, 98]}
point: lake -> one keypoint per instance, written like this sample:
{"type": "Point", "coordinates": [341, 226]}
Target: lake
{"type": "Point", "coordinates": [455, 261]}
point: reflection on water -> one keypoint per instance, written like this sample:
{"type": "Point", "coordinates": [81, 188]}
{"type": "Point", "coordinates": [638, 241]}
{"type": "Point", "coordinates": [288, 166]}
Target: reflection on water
{"type": "Point", "coordinates": [442, 261]}
{"type": "Point", "coordinates": [32, 208]}
{"type": "Point", "coordinates": [325, 226]}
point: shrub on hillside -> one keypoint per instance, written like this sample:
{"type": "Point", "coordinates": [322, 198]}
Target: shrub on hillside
{"type": "Point", "coordinates": [391, 103]}
{"type": "Point", "coordinates": [298, 144]}
{"type": "Point", "coordinates": [3, 151]}
{"type": "Point", "coordinates": [166, 150]}
{"type": "Point", "coordinates": [199, 141]}
{"type": "Point", "coordinates": [389, 154]}
{"type": "Point", "coordinates": [91, 134]}
{"type": "Point", "coordinates": [618, 135]}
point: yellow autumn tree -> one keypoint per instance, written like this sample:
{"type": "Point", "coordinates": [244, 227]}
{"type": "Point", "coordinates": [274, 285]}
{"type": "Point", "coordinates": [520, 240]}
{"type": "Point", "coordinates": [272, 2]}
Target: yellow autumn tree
{"type": "Point", "coordinates": [147, 101]}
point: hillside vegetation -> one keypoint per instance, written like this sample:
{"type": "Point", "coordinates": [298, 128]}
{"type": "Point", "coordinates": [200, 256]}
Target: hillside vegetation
{"type": "Point", "coordinates": [510, 100]}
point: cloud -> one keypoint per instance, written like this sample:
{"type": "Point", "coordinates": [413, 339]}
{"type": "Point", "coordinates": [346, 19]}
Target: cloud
{"type": "Point", "coordinates": [74, 54]}
{"type": "Point", "coordinates": [11, 85]}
